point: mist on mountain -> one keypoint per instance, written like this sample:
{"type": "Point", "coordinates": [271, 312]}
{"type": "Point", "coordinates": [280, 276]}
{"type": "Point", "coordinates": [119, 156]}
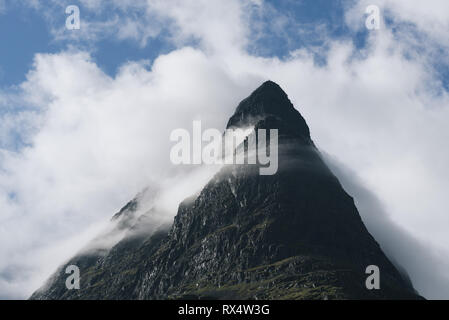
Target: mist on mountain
{"type": "Point", "coordinates": [296, 234]}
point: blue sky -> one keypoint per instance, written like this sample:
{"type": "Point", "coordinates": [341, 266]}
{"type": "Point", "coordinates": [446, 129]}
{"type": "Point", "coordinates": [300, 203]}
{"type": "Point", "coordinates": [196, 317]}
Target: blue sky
{"type": "Point", "coordinates": [23, 33]}
{"type": "Point", "coordinates": [26, 30]}
{"type": "Point", "coordinates": [85, 115]}
{"type": "Point", "coordinates": [32, 33]}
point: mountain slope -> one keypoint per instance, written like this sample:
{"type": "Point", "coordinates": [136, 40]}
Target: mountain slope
{"type": "Point", "coordinates": [292, 235]}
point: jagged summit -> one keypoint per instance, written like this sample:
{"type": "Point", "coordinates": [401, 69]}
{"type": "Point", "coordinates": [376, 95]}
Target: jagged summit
{"type": "Point", "coordinates": [269, 103]}
{"type": "Point", "coordinates": [269, 98]}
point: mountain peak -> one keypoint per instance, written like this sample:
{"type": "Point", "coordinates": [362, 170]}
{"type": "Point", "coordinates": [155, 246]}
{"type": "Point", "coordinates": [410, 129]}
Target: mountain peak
{"type": "Point", "coordinates": [271, 86]}
{"type": "Point", "coordinates": [269, 102]}
{"type": "Point", "coordinates": [295, 234]}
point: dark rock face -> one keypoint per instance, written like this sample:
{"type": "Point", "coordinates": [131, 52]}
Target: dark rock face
{"type": "Point", "coordinates": [292, 235]}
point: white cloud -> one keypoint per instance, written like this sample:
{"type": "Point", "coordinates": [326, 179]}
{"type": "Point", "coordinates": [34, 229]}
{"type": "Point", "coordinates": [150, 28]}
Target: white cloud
{"type": "Point", "coordinates": [422, 27]}
{"type": "Point", "coordinates": [95, 141]}
{"type": "Point", "coordinates": [429, 17]}
{"type": "Point", "coordinates": [101, 140]}
{"type": "Point", "coordinates": [181, 22]}
{"type": "Point", "coordinates": [226, 28]}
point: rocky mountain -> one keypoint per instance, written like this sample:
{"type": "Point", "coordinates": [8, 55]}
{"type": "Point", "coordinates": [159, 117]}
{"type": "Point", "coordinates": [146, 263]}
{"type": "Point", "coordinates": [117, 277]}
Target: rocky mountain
{"type": "Point", "coordinates": [293, 235]}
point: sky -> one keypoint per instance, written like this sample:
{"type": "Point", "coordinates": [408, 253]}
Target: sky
{"type": "Point", "coordinates": [85, 115]}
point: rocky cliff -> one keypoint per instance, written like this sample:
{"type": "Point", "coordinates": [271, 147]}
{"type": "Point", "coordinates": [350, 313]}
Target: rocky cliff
{"type": "Point", "coordinates": [293, 235]}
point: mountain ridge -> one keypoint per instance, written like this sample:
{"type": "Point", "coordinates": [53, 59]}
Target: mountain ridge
{"type": "Point", "coordinates": [293, 235]}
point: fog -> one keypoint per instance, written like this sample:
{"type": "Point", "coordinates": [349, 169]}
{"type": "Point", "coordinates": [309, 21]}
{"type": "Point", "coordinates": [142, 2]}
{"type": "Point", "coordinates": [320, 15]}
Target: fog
{"type": "Point", "coordinates": [426, 266]}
